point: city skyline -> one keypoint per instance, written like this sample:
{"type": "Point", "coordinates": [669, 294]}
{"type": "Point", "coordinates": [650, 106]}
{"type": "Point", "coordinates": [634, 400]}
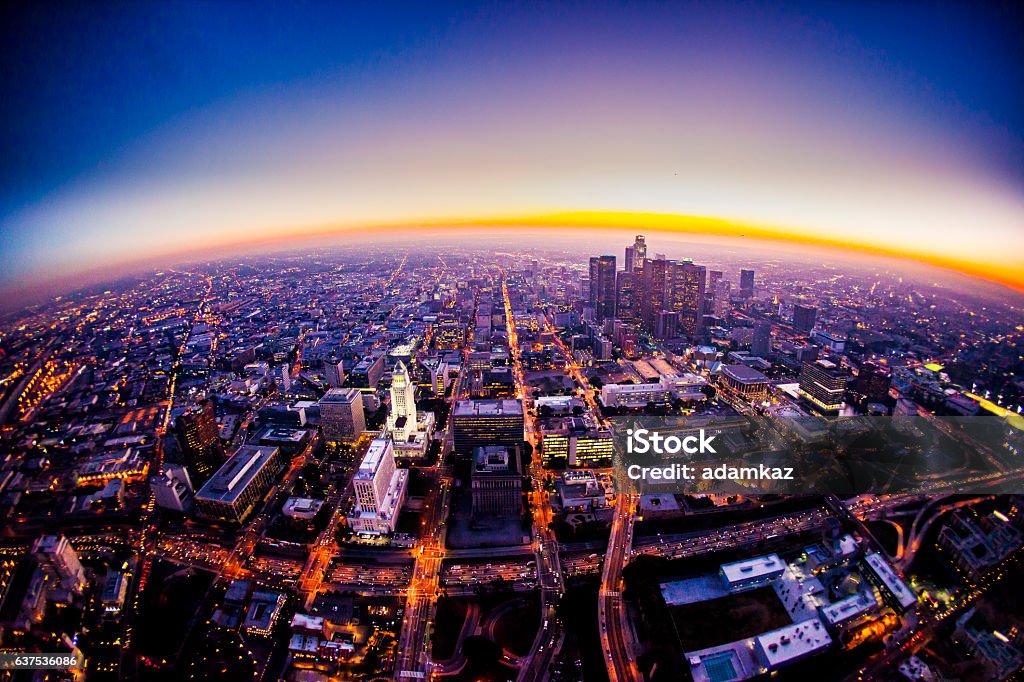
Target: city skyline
{"type": "Point", "coordinates": [413, 460]}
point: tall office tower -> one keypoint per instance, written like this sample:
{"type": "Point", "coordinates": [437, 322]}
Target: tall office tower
{"type": "Point", "coordinates": [379, 488]}
{"type": "Point", "coordinates": [402, 420]}
{"type": "Point", "coordinates": [627, 296]}
{"type": "Point", "coordinates": [823, 383]}
{"type": "Point", "coordinates": [282, 377]}
{"type": "Point", "coordinates": [341, 415]}
{"type": "Point", "coordinates": [746, 283]}
{"type": "Point", "coordinates": [873, 381]}
{"type": "Point", "coordinates": [653, 290]}
{"type": "Point", "coordinates": [202, 453]}
{"type": "Point", "coordinates": [714, 277]}
{"type": "Point", "coordinates": [762, 343]}
{"type": "Point", "coordinates": [602, 286]}
{"type": "Point", "coordinates": [57, 558]}
{"type": "Point", "coordinates": [334, 372]}
{"type": "Point", "coordinates": [804, 318]}
{"type": "Point", "coordinates": [723, 294]}
{"type": "Point", "coordinates": [480, 423]}
{"type": "Point", "coordinates": [688, 285]}
{"type": "Point", "coordinates": [636, 254]}
{"type": "Point", "coordinates": [667, 325]}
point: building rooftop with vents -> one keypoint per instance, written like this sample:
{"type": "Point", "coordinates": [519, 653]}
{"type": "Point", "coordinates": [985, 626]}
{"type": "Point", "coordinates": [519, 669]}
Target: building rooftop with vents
{"type": "Point", "coordinates": [848, 608]}
{"type": "Point", "coordinates": [791, 643]}
{"type": "Point", "coordinates": [894, 584]}
{"type": "Point", "coordinates": [238, 485]}
{"type": "Point", "coordinates": [744, 573]}
{"type": "Point", "coordinates": [232, 478]}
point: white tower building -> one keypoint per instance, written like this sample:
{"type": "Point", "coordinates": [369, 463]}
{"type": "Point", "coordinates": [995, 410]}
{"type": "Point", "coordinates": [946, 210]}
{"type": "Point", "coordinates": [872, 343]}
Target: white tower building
{"type": "Point", "coordinates": [403, 403]}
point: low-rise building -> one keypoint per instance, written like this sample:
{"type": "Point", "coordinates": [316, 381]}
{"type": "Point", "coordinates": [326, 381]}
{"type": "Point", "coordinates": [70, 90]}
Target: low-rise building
{"type": "Point", "coordinates": [302, 508]}
{"type": "Point", "coordinates": [891, 585]}
{"type": "Point", "coordinates": [233, 491]}
{"type": "Point", "coordinates": [263, 612]}
{"type": "Point", "coordinates": [744, 382]}
{"type": "Point", "coordinates": [748, 573]}
{"type": "Point", "coordinates": [792, 643]}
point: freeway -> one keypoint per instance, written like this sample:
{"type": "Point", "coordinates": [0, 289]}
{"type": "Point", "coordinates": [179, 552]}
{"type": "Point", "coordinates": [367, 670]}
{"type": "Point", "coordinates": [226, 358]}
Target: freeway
{"type": "Point", "coordinates": [925, 518]}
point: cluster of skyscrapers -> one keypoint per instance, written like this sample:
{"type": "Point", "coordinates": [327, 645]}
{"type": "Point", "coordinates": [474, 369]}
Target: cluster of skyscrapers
{"type": "Point", "coordinates": [669, 298]}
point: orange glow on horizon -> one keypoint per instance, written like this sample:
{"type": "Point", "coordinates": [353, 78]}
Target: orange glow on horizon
{"type": "Point", "coordinates": [1008, 274]}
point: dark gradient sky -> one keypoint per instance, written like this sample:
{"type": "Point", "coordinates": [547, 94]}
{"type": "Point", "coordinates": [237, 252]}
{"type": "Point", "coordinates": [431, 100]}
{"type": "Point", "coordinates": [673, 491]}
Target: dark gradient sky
{"type": "Point", "coordinates": [140, 128]}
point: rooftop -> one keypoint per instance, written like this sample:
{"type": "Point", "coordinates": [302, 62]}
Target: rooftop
{"type": "Point", "coordinates": [341, 396]}
{"type": "Point", "coordinates": [232, 478]}
{"type": "Point", "coordinates": [487, 408]}
{"type": "Point", "coordinates": [753, 568]}
{"type": "Point", "coordinates": [848, 608]}
{"type": "Point", "coordinates": [374, 455]}
{"type": "Point", "coordinates": [892, 582]}
{"type": "Point", "coordinates": [743, 374]}
{"type": "Point", "coordinates": [793, 641]}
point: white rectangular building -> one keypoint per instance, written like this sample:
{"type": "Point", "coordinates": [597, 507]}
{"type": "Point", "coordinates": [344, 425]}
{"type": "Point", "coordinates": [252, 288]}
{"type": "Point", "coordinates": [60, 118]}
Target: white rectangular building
{"type": "Point", "coordinates": [791, 643]}
{"type": "Point", "coordinates": [892, 586]}
{"type": "Point", "coordinates": [741, 575]}
{"type": "Point", "coordinates": [379, 490]}
{"type": "Point", "coordinates": [850, 608]}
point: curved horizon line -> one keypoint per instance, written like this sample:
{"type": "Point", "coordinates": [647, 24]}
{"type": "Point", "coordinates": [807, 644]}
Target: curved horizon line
{"type": "Point", "coordinates": [1010, 276]}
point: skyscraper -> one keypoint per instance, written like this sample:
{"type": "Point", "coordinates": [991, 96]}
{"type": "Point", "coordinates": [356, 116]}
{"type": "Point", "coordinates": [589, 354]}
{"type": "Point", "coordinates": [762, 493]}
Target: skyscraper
{"type": "Point", "coordinates": [746, 283]}
{"type": "Point", "coordinates": [202, 453]}
{"type": "Point", "coordinates": [173, 488]}
{"type": "Point", "coordinates": [602, 286]}
{"type": "Point", "coordinates": [667, 324]}
{"type": "Point", "coordinates": [714, 277]}
{"type": "Point", "coordinates": [823, 383]}
{"type": "Point", "coordinates": [636, 254]}
{"type": "Point", "coordinates": [762, 343]}
{"type": "Point", "coordinates": [804, 318]}
{"type": "Point", "coordinates": [480, 423]}
{"type": "Point", "coordinates": [379, 488]}
{"type": "Point", "coordinates": [282, 377]}
{"type": "Point", "coordinates": [686, 297]}
{"type": "Point", "coordinates": [341, 414]}
{"type": "Point", "coordinates": [873, 381]}
{"type": "Point", "coordinates": [402, 420]}
{"type": "Point", "coordinates": [653, 291]}
{"type": "Point", "coordinates": [334, 373]}
{"type": "Point", "coordinates": [627, 296]}
{"type": "Point", "coordinates": [723, 292]}
{"type": "Point", "coordinates": [496, 482]}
